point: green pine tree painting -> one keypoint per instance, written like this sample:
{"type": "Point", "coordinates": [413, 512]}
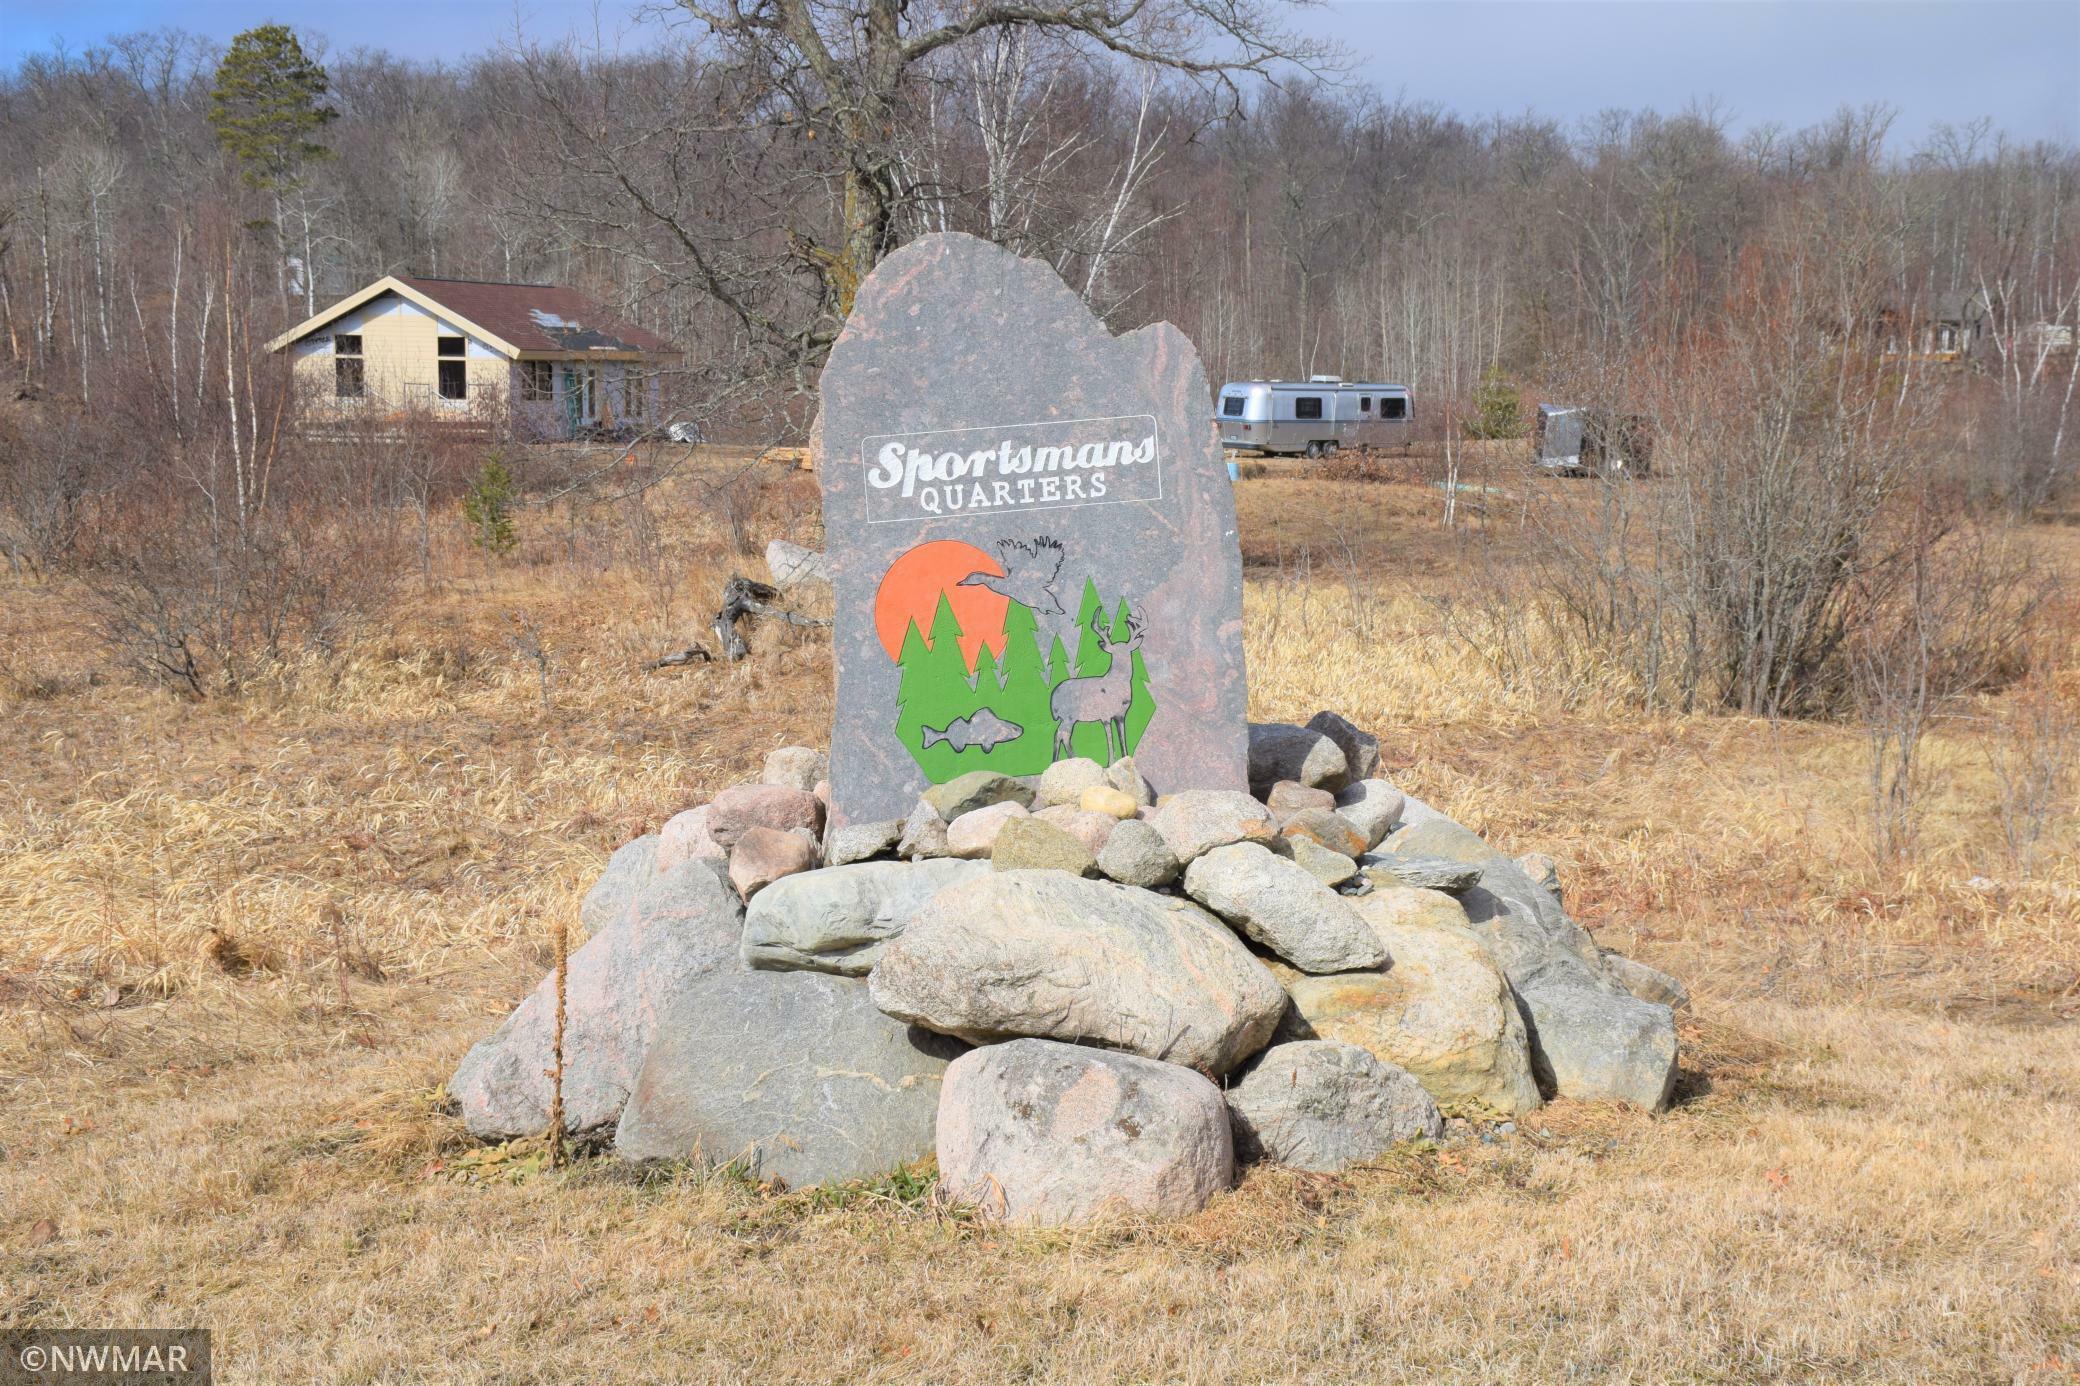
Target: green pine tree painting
{"type": "Point", "coordinates": [933, 693]}
{"type": "Point", "coordinates": [1023, 701]}
{"type": "Point", "coordinates": [947, 707]}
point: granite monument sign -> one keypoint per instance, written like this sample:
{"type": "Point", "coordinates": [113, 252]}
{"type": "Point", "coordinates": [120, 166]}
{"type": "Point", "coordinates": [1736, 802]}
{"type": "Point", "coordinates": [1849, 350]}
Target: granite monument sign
{"type": "Point", "coordinates": [1031, 536]}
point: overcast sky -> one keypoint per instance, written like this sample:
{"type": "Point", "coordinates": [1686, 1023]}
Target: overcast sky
{"type": "Point", "coordinates": [2014, 61]}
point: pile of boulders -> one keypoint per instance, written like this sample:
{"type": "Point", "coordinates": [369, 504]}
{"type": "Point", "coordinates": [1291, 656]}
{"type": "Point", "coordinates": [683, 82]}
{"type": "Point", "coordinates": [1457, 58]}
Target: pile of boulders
{"type": "Point", "coordinates": [1154, 985]}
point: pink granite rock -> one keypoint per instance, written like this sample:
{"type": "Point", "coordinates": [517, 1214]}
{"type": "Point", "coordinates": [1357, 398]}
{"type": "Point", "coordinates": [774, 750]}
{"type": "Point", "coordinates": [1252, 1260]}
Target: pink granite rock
{"type": "Point", "coordinates": [762, 806]}
{"type": "Point", "coordinates": [763, 855]}
{"type": "Point", "coordinates": [1289, 797]}
{"type": "Point", "coordinates": [685, 838]}
{"type": "Point", "coordinates": [1091, 829]}
{"type": "Point", "coordinates": [1040, 1133]}
{"type": "Point", "coordinates": [974, 833]}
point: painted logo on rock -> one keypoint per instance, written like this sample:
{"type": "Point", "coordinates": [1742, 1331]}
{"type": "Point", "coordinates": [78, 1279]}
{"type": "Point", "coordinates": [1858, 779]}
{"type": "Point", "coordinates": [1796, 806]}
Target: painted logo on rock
{"type": "Point", "coordinates": [995, 674]}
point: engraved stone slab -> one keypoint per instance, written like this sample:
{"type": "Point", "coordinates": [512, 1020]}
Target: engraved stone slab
{"type": "Point", "coordinates": [1031, 537]}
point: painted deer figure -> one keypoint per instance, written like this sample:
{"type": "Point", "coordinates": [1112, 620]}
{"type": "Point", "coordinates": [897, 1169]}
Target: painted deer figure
{"type": "Point", "coordinates": [1098, 697]}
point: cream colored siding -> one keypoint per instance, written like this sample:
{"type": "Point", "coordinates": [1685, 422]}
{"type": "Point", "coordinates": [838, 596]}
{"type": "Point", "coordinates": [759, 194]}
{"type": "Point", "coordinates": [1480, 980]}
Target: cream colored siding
{"type": "Point", "coordinates": [399, 344]}
{"type": "Point", "coordinates": [399, 331]}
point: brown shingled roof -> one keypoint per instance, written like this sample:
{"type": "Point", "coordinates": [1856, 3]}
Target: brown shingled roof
{"type": "Point", "coordinates": [537, 317]}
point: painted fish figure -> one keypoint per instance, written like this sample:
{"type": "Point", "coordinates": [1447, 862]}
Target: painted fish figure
{"type": "Point", "coordinates": [984, 729]}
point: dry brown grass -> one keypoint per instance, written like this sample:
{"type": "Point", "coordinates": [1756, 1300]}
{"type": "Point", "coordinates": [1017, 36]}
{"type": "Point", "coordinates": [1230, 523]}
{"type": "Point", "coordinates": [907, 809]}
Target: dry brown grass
{"type": "Point", "coordinates": [247, 941]}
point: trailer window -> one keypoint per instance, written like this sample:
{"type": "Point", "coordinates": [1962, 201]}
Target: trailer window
{"type": "Point", "coordinates": [1364, 404]}
{"type": "Point", "coordinates": [1392, 407]}
{"type": "Point", "coordinates": [1307, 407]}
{"type": "Point", "coordinates": [1231, 407]}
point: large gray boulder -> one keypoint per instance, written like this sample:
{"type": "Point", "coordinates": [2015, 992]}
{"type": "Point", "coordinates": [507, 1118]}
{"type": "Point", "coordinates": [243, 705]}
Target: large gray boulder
{"type": "Point", "coordinates": [1282, 751]}
{"type": "Point", "coordinates": [1053, 956]}
{"type": "Point", "coordinates": [628, 871]}
{"type": "Point", "coordinates": [1283, 907]}
{"type": "Point", "coordinates": [793, 1075]}
{"type": "Point", "coordinates": [674, 929]}
{"type": "Point", "coordinates": [1590, 1037]}
{"type": "Point", "coordinates": [1322, 1106]}
{"type": "Point", "coordinates": [1036, 1132]}
{"type": "Point", "coordinates": [840, 918]}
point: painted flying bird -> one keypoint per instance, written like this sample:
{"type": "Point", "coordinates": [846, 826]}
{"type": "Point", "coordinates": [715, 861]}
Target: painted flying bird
{"type": "Point", "coordinates": [1029, 576]}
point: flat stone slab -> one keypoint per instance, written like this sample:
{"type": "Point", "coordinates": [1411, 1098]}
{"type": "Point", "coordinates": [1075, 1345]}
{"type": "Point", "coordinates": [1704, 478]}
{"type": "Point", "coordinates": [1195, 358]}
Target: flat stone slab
{"type": "Point", "coordinates": [840, 919]}
{"type": "Point", "coordinates": [1031, 537]}
{"type": "Point", "coordinates": [1421, 873]}
{"type": "Point", "coordinates": [1282, 906]}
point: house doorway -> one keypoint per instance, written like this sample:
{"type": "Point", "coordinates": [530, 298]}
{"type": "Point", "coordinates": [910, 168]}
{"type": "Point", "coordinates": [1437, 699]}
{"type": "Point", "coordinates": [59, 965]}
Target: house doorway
{"type": "Point", "coordinates": [580, 397]}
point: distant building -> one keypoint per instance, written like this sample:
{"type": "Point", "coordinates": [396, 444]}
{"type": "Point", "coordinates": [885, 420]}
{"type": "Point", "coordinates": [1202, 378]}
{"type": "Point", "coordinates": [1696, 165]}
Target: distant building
{"type": "Point", "coordinates": [548, 359]}
{"type": "Point", "coordinates": [1950, 328]}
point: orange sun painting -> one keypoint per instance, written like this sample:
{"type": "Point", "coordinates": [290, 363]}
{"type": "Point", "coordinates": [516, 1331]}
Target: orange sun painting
{"type": "Point", "coordinates": [911, 588]}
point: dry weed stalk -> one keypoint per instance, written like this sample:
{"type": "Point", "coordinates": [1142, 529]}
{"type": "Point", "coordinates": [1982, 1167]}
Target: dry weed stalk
{"type": "Point", "coordinates": [563, 959]}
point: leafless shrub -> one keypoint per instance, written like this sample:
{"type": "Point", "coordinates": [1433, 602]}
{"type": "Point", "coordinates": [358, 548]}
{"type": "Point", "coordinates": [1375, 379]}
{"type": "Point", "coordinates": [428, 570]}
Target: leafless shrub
{"type": "Point", "coordinates": [51, 472]}
{"type": "Point", "coordinates": [2034, 755]}
{"type": "Point", "coordinates": [1949, 622]}
{"type": "Point", "coordinates": [201, 612]}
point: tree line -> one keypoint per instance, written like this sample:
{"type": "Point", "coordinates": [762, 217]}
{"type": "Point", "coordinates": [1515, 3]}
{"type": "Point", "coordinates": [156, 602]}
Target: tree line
{"type": "Point", "coordinates": [1846, 345]}
{"type": "Point", "coordinates": [730, 185]}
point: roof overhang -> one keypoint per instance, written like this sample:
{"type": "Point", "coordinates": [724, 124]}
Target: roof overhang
{"type": "Point", "coordinates": [390, 284]}
{"type": "Point", "coordinates": [630, 354]}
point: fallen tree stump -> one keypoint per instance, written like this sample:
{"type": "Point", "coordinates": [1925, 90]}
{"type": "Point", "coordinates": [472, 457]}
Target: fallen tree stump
{"type": "Point", "coordinates": [741, 597]}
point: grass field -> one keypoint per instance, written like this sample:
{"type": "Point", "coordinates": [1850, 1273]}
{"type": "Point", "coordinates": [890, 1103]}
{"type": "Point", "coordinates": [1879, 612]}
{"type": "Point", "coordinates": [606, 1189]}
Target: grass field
{"type": "Point", "coordinates": [245, 941]}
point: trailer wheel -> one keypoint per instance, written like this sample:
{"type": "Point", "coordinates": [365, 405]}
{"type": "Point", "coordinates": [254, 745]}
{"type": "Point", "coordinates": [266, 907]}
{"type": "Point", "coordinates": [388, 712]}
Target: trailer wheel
{"type": "Point", "coordinates": [1314, 452]}
{"type": "Point", "coordinates": [1329, 449]}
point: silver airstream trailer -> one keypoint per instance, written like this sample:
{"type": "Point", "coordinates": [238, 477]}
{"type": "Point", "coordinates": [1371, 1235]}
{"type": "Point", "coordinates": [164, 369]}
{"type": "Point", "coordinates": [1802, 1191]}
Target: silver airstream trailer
{"type": "Point", "coordinates": [1314, 418]}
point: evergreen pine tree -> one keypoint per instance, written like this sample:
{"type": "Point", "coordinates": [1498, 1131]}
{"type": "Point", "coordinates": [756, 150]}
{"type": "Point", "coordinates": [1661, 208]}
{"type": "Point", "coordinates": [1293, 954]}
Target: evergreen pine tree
{"type": "Point", "coordinates": [1495, 412]}
{"type": "Point", "coordinates": [1057, 664]}
{"type": "Point", "coordinates": [989, 686]}
{"type": "Point", "coordinates": [487, 508]}
{"type": "Point", "coordinates": [266, 106]}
